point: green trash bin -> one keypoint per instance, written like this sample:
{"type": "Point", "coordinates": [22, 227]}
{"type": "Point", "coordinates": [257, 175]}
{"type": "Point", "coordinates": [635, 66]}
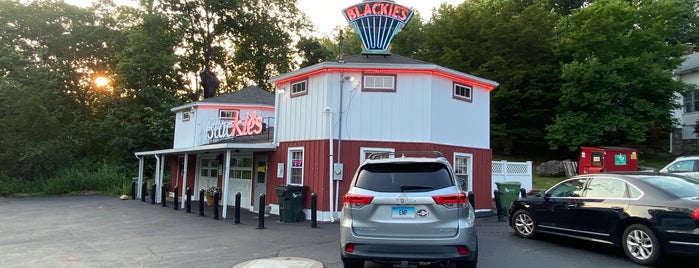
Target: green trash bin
{"type": "Point", "coordinates": [509, 192]}
{"type": "Point", "coordinates": [291, 202]}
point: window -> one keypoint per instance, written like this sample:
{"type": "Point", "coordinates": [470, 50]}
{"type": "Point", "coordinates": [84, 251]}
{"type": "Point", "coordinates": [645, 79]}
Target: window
{"type": "Point", "coordinates": [365, 152]}
{"type": "Point", "coordinates": [462, 169]}
{"type": "Point", "coordinates": [295, 166]}
{"type": "Point", "coordinates": [691, 101]}
{"type": "Point", "coordinates": [463, 92]}
{"type": "Point", "coordinates": [209, 168]}
{"type": "Point", "coordinates": [186, 116]}
{"type": "Point", "coordinates": [228, 114]}
{"type": "Point", "coordinates": [682, 166]}
{"type": "Point", "coordinates": [568, 188]}
{"type": "Point", "coordinates": [606, 188]}
{"type": "Point", "coordinates": [380, 83]}
{"type": "Point", "coordinates": [241, 168]}
{"type": "Point", "coordinates": [298, 88]}
{"type": "Point", "coordinates": [399, 177]}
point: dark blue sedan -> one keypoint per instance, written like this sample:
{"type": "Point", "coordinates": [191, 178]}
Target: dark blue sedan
{"type": "Point", "coordinates": [649, 215]}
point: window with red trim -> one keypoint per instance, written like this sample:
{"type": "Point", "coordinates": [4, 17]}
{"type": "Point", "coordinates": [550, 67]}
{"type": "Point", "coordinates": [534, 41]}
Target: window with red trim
{"type": "Point", "coordinates": [379, 83]}
{"type": "Point", "coordinates": [462, 92]}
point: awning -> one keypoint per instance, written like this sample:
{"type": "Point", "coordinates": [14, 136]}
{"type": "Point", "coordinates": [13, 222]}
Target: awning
{"type": "Point", "coordinates": [251, 147]}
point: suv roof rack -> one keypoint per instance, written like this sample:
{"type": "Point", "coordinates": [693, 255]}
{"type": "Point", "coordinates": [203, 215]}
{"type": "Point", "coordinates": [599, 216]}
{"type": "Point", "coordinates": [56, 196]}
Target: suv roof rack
{"type": "Point", "coordinates": [402, 154]}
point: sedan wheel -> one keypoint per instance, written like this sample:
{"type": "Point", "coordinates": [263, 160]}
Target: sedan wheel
{"type": "Point", "coordinates": [641, 245]}
{"type": "Point", "coordinates": [524, 224]}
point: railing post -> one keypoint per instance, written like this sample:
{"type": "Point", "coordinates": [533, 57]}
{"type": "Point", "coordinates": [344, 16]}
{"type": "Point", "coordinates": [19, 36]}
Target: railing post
{"type": "Point", "coordinates": [498, 204]}
{"type": "Point", "coordinates": [133, 190]}
{"type": "Point", "coordinates": [261, 213]}
{"type": "Point", "coordinates": [201, 202]}
{"type": "Point", "coordinates": [216, 205]}
{"type": "Point", "coordinates": [237, 208]}
{"type": "Point", "coordinates": [162, 196]}
{"type": "Point", "coordinates": [188, 203]}
{"type": "Point", "coordinates": [314, 210]}
{"type": "Point", "coordinates": [176, 204]}
{"type": "Point", "coordinates": [144, 192]}
{"type": "Point", "coordinates": [472, 200]}
{"type": "Point", "coordinates": [152, 194]}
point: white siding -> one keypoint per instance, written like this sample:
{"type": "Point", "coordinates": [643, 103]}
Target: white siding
{"type": "Point", "coordinates": [302, 118]}
{"type": "Point", "coordinates": [184, 131]}
{"type": "Point", "coordinates": [688, 120]}
{"type": "Point", "coordinates": [457, 122]}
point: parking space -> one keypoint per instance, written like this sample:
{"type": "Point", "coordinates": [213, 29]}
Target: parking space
{"type": "Point", "coordinates": [100, 231]}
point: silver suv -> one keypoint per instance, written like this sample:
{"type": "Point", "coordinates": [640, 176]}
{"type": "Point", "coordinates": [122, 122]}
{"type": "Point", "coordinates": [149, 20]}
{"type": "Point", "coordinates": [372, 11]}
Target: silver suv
{"type": "Point", "coordinates": [407, 208]}
{"type": "Point", "coordinates": [683, 165]}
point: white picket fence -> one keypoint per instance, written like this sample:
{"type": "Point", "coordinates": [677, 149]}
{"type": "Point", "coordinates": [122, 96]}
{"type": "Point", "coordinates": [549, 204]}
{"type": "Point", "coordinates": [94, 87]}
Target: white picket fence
{"type": "Point", "coordinates": [504, 171]}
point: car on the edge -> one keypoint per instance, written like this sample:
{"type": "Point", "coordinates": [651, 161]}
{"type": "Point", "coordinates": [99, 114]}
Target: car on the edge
{"type": "Point", "coordinates": [407, 208]}
{"type": "Point", "coordinates": [649, 215]}
{"type": "Point", "coordinates": [683, 165]}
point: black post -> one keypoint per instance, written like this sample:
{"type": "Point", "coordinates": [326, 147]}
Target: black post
{"type": "Point", "coordinates": [314, 210]}
{"type": "Point", "coordinates": [201, 202]}
{"type": "Point", "coordinates": [237, 208]}
{"type": "Point", "coordinates": [162, 196]}
{"type": "Point", "coordinates": [188, 203]}
{"type": "Point", "coordinates": [152, 194]}
{"type": "Point", "coordinates": [216, 205]}
{"type": "Point", "coordinates": [522, 192]}
{"type": "Point", "coordinates": [472, 200]}
{"type": "Point", "coordinates": [176, 205]}
{"type": "Point", "coordinates": [133, 190]}
{"type": "Point", "coordinates": [144, 192]}
{"type": "Point", "coordinates": [498, 205]}
{"type": "Point", "coordinates": [261, 216]}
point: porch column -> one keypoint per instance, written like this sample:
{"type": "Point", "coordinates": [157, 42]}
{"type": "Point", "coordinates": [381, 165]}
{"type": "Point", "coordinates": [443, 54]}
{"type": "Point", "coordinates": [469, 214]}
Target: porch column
{"type": "Point", "coordinates": [184, 180]}
{"type": "Point", "coordinates": [226, 176]}
{"type": "Point", "coordinates": [156, 179]}
{"type": "Point", "coordinates": [140, 177]}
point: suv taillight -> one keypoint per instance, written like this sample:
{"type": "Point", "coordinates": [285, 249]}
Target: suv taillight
{"type": "Point", "coordinates": [451, 200]}
{"type": "Point", "coordinates": [357, 200]}
{"type": "Point", "coordinates": [695, 214]}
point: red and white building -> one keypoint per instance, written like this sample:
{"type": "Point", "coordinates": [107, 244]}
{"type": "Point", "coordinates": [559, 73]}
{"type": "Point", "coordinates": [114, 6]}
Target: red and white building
{"type": "Point", "coordinates": [321, 123]}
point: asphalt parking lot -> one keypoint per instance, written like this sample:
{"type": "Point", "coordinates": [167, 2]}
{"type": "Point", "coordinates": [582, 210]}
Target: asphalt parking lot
{"type": "Point", "coordinates": [102, 231]}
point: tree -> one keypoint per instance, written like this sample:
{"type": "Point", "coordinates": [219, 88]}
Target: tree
{"type": "Point", "coordinates": [510, 42]}
{"type": "Point", "coordinates": [618, 57]}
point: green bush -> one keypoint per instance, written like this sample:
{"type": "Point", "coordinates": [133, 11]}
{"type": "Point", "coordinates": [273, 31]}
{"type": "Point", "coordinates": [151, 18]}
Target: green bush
{"type": "Point", "coordinates": [107, 179]}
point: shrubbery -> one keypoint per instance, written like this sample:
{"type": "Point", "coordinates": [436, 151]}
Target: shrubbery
{"type": "Point", "coordinates": [107, 179]}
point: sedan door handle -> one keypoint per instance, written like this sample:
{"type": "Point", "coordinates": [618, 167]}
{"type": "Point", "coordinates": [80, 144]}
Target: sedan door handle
{"type": "Point", "coordinates": [618, 208]}
{"type": "Point", "coordinates": [571, 205]}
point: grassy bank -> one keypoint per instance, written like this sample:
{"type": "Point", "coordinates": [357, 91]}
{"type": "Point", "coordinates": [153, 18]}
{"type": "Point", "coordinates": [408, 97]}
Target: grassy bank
{"type": "Point", "coordinates": [106, 179]}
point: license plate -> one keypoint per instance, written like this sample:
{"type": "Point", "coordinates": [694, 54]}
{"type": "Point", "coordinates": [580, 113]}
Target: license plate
{"type": "Point", "coordinates": [403, 213]}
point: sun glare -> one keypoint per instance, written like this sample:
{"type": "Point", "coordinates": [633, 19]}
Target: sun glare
{"type": "Point", "coordinates": [101, 81]}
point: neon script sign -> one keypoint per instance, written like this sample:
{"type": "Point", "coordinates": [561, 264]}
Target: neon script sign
{"type": "Point", "coordinates": [377, 22]}
{"type": "Point", "coordinates": [227, 129]}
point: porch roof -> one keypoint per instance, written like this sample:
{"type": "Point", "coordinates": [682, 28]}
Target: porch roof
{"type": "Point", "coordinates": [250, 147]}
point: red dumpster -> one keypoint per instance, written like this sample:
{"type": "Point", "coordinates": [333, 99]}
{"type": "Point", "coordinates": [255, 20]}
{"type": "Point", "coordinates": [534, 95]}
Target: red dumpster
{"type": "Point", "coordinates": [607, 159]}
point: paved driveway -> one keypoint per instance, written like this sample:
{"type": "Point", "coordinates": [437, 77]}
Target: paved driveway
{"type": "Point", "coordinates": [100, 231]}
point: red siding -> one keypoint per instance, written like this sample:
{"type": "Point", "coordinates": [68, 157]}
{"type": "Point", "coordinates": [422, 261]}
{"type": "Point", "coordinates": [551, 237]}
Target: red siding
{"type": "Point", "coordinates": [316, 172]}
{"type": "Point", "coordinates": [191, 170]}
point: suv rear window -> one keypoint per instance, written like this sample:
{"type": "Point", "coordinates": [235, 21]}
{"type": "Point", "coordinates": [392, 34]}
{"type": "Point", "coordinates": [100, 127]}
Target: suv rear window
{"type": "Point", "coordinates": [403, 177]}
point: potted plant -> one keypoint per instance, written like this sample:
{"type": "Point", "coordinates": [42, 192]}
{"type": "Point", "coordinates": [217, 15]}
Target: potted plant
{"type": "Point", "coordinates": [209, 192]}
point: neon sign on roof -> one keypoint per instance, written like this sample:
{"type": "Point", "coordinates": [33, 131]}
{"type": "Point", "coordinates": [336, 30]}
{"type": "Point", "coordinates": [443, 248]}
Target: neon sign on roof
{"type": "Point", "coordinates": [377, 22]}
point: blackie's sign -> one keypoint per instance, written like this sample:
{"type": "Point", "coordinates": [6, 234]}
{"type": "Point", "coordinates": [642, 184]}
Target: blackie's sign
{"type": "Point", "coordinates": [377, 22]}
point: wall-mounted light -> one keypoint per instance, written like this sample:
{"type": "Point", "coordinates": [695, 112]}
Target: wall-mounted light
{"type": "Point", "coordinates": [281, 90]}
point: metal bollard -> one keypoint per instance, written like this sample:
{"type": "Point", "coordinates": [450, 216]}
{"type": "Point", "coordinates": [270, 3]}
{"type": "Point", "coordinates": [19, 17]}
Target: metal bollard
{"type": "Point", "coordinates": [216, 205]}
{"type": "Point", "coordinates": [144, 192]}
{"type": "Point", "coordinates": [152, 194]}
{"type": "Point", "coordinates": [163, 195]}
{"type": "Point", "coordinates": [175, 203]}
{"type": "Point", "coordinates": [201, 202]}
{"type": "Point", "coordinates": [472, 200]}
{"type": "Point", "coordinates": [133, 190]}
{"type": "Point", "coordinates": [522, 192]}
{"type": "Point", "coordinates": [498, 206]}
{"type": "Point", "coordinates": [261, 216]}
{"type": "Point", "coordinates": [237, 208]}
{"type": "Point", "coordinates": [314, 210]}
{"type": "Point", "coordinates": [188, 203]}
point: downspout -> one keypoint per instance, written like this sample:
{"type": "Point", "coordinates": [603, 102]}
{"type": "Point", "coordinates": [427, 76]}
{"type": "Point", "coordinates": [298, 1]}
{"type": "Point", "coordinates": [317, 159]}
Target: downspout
{"type": "Point", "coordinates": [329, 112]}
{"type": "Point", "coordinates": [339, 137]}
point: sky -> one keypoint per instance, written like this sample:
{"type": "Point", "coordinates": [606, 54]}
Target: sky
{"type": "Point", "coordinates": [325, 14]}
